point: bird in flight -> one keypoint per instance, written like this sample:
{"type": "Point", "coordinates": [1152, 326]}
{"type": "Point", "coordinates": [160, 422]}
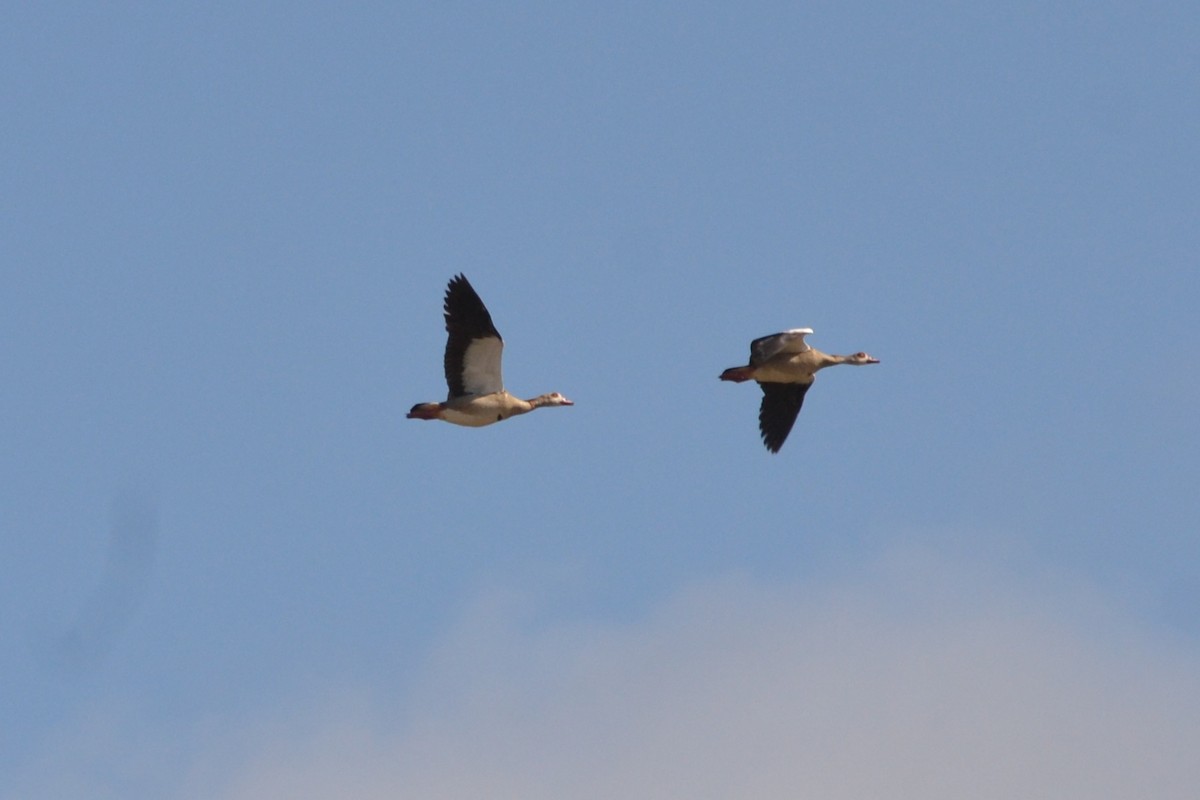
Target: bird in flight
{"type": "Point", "coordinates": [784, 366]}
{"type": "Point", "coordinates": [472, 362]}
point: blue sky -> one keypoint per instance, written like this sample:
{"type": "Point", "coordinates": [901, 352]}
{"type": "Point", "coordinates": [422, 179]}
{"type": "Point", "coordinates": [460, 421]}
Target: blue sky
{"type": "Point", "coordinates": [231, 568]}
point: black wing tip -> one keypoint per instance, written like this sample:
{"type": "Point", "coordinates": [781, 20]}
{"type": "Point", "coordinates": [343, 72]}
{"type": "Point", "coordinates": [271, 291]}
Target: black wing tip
{"type": "Point", "coordinates": [458, 286]}
{"type": "Point", "coordinates": [465, 312]}
{"type": "Point", "coordinates": [773, 439]}
{"type": "Point", "coordinates": [781, 403]}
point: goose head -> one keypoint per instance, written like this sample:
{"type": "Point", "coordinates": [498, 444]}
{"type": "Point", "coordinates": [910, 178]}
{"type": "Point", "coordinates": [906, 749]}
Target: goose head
{"type": "Point", "coordinates": [861, 358]}
{"type": "Point", "coordinates": [552, 399]}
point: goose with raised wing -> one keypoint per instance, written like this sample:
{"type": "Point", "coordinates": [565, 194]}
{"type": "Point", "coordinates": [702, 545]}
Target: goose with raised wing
{"type": "Point", "coordinates": [784, 365]}
{"type": "Point", "coordinates": [472, 363]}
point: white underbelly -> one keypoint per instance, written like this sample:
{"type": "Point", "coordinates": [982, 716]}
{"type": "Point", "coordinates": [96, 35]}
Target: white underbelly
{"type": "Point", "coordinates": [480, 410]}
{"type": "Point", "coordinates": [475, 418]}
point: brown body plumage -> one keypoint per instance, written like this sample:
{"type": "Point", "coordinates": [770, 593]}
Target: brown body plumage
{"type": "Point", "coordinates": [784, 365]}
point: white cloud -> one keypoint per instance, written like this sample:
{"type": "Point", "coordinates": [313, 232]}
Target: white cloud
{"type": "Point", "coordinates": [917, 678]}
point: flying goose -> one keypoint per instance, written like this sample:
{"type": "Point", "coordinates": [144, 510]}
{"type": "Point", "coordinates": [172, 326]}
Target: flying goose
{"type": "Point", "coordinates": [472, 363]}
{"type": "Point", "coordinates": [784, 365]}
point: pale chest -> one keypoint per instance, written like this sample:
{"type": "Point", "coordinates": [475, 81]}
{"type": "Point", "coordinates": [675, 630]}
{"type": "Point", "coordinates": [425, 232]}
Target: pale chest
{"type": "Point", "coordinates": [475, 412]}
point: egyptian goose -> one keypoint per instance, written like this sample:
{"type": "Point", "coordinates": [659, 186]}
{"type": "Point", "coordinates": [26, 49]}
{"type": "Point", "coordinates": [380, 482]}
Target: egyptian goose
{"type": "Point", "coordinates": [784, 365]}
{"type": "Point", "coordinates": [472, 363]}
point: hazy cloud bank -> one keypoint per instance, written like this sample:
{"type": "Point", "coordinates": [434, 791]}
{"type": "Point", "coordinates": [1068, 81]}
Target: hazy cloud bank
{"type": "Point", "coordinates": [915, 678]}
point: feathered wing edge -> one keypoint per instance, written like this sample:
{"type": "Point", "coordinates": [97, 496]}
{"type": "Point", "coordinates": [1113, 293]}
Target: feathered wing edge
{"type": "Point", "coordinates": [473, 345]}
{"type": "Point", "coordinates": [777, 414]}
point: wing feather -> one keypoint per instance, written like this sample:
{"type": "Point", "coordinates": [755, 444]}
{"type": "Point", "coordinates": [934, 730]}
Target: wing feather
{"type": "Point", "coordinates": [765, 348]}
{"type": "Point", "coordinates": [780, 406]}
{"type": "Point", "coordinates": [473, 345]}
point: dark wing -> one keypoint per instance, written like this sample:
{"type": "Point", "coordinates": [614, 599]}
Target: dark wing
{"type": "Point", "coordinates": [763, 348]}
{"type": "Point", "coordinates": [780, 405]}
{"type": "Point", "coordinates": [473, 345]}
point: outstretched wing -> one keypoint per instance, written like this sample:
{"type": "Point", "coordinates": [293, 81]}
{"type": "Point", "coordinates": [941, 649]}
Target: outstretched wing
{"type": "Point", "coordinates": [473, 345]}
{"type": "Point", "coordinates": [780, 406]}
{"type": "Point", "coordinates": [766, 347]}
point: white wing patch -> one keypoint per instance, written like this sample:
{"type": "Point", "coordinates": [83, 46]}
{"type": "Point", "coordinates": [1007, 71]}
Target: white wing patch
{"type": "Point", "coordinates": [481, 366]}
{"type": "Point", "coordinates": [793, 340]}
